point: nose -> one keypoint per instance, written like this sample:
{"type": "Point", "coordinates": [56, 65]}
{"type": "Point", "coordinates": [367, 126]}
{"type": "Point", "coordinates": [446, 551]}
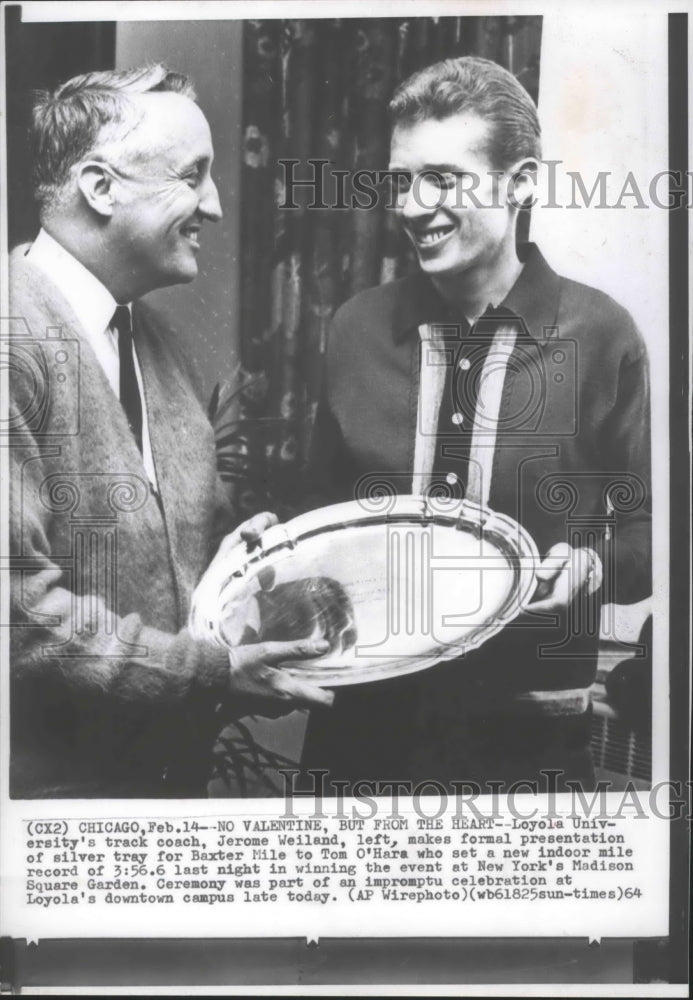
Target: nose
{"type": "Point", "coordinates": [423, 198]}
{"type": "Point", "coordinates": [210, 206]}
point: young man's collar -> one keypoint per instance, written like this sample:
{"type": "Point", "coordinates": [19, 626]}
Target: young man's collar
{"type": "Point", "coordinates": [533, 298]}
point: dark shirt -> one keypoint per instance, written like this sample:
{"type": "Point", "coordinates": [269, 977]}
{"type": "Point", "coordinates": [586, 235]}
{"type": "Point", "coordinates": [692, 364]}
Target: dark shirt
{"type": "Point", "coordinates": [573, 449]}
{"type": "Point", "coordinates": [571, 464]}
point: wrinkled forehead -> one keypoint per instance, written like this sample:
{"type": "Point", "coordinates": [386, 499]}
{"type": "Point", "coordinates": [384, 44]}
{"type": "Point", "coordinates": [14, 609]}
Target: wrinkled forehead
{"type": "Point", "coordinates": [158, 125]}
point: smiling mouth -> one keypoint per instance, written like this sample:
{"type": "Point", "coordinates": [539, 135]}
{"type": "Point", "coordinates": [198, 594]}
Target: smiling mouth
{"type": "Point", "coordinates": [192, 234]}
{"type": "Point", "coordinates": [430, 237]}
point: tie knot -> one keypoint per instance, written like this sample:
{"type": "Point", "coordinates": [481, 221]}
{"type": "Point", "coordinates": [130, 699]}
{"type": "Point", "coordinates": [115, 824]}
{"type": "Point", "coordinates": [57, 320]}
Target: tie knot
{"type": "Point", "coordinates": [122, 321]}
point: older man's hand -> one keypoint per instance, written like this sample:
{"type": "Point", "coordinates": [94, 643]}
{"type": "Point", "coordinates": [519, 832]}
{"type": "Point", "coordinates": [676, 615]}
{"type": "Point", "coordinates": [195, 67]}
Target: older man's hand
{"type": "Point", "coordinates": [255, 680]}
{"type": "Point", "coordinates": [254, 675]}
{"type": "Point", "coordinates": [272, 690]}
{"type": "Point", "coordinates": [249, 532]}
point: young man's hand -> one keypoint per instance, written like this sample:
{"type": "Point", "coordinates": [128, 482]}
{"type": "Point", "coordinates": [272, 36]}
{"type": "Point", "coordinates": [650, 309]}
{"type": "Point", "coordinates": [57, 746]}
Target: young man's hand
{"type": "Point", "coordinates": [563, 573]}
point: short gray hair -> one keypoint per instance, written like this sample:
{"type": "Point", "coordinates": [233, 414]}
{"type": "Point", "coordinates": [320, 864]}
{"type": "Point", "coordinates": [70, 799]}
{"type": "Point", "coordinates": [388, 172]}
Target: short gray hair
{"type": "Point", "coordinates": [69, 122]}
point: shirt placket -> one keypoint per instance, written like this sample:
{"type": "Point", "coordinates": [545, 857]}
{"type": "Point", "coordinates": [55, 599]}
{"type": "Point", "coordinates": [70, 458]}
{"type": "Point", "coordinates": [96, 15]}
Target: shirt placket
{"type": "Point", "coordinates": [461, 392]}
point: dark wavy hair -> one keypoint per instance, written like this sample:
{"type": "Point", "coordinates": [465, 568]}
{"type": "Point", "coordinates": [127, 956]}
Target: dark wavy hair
{"type": "Point", "coordinates": [479, 86]}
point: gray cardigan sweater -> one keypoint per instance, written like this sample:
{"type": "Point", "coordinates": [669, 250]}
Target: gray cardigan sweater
{"type": "Point", "coordinates": [109, 696]}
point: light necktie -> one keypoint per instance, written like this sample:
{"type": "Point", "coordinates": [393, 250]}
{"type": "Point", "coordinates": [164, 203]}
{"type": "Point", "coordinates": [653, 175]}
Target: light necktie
{"type": "Point", "coordinates": [129, 389]}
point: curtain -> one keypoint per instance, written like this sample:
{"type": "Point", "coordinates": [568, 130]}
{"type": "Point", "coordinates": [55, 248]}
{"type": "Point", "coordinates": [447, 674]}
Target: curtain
{"type": "Point", "coordinates": [314, 89]}
{"type": "Point", "coordinates": [318, 89]}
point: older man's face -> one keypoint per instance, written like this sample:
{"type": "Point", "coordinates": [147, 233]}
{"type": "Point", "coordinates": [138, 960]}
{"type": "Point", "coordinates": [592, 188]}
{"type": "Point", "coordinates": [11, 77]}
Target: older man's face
{"type": "Point", "coordinates": [163, 191]}
{"type": "Point", "coordinates": [451, 230]}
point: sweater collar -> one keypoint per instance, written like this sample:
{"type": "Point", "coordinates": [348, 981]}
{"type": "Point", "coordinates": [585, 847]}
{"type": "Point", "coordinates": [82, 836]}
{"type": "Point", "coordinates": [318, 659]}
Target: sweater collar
{"type": "Point", "coordinates": [91, 301]}
{"type": "Point", "coordinates": [533, 298]}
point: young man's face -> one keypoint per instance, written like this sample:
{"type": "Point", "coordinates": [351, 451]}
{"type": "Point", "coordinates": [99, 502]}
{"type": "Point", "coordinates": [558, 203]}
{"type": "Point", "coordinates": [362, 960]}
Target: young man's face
{"type": "Point", "coordinates": [164, 191]}
{"type": "Point", "coordinates": [451, 230]}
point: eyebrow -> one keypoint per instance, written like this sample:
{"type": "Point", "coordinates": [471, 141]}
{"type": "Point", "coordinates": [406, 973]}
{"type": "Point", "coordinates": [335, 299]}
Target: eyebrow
{"type": "Point", "coordinates": [200, 161]}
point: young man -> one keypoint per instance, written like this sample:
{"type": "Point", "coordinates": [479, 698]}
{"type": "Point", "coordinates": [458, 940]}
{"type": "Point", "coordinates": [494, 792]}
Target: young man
{"type": "Point", "coordinates": [116, 506]}
{"type": "Point", "coordinates": [560, 445]}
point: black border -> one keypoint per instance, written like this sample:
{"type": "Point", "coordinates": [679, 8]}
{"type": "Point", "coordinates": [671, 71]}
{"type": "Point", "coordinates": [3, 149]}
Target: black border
{"type": "Point", "coordinates": [680, 500]}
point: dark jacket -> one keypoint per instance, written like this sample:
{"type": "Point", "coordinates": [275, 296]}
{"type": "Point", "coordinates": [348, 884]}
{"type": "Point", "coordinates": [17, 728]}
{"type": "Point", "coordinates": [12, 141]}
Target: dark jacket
{"type": "Point", "coordinates": [572, 463]}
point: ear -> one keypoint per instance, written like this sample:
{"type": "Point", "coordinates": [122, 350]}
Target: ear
{"type": "Point", "coordinates": [94, 182]}
{"type": "Point", "coordinates": [522, 183]}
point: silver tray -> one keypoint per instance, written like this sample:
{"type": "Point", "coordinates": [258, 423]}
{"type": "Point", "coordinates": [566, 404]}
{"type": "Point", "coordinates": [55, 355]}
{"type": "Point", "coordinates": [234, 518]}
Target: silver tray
{"type": "Point", "coordinates": [395, 584]}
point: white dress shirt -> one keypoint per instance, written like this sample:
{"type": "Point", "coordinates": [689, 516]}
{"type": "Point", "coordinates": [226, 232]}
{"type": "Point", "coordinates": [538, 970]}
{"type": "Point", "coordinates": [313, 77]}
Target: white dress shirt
{"type": "Point", "coordinates": [94, 306]}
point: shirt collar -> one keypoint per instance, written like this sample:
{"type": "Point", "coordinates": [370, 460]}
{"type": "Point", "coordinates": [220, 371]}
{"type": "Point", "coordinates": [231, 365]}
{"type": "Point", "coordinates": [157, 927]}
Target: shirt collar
{"type": "Point", "coordinates": [91, 302]}
{"type": "Point", "coordinates": [533, 298]}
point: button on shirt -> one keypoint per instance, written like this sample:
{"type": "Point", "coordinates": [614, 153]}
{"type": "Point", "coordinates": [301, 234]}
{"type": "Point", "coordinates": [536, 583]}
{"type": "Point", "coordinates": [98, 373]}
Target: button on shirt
{"type": "Point", "coordinates": [462, 370]}
{"type": "Point", "coordinates": [94, 306]}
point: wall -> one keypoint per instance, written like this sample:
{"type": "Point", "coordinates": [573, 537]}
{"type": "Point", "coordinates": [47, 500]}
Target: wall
{"type": "Point", "coordinates": [206, 311]}
{"type": "Point", "coordinates": [603, 107]}
{"type": "Point", "coordinates": [40, 57]}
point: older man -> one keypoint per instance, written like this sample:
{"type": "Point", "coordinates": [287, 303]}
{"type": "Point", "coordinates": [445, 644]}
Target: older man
{"type": "Point", "coordinates": [116, 506]}
{"type": "Point", "coordinates": [489, 376]}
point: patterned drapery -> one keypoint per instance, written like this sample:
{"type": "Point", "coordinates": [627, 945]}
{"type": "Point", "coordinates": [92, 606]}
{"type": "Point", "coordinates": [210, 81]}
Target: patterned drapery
{"type": "Point", "coordinates": [318, 90]}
